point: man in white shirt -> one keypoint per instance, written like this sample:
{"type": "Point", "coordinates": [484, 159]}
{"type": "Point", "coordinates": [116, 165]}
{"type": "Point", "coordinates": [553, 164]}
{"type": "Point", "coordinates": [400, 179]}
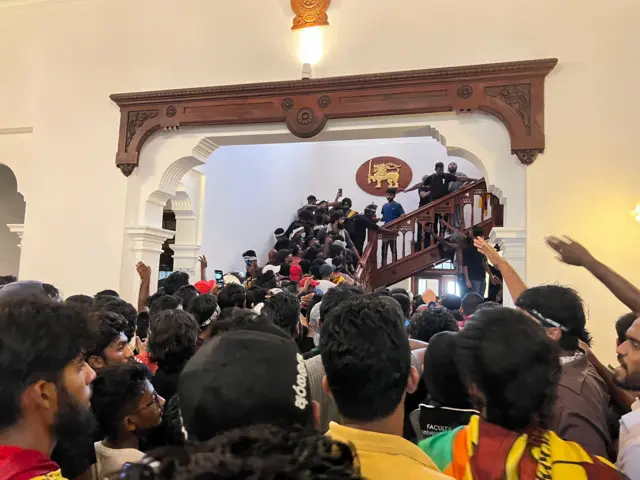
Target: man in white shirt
{"type": "Point", "coordinates": [627, 376]}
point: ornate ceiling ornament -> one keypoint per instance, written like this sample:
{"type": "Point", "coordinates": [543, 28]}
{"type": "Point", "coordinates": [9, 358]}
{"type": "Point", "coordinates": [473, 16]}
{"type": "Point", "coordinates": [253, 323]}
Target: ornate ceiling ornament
{"type": "Point", "coordinates": [310, 13]}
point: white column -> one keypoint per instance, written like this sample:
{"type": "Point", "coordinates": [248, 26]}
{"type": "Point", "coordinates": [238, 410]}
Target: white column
{"type": "Point", "coordinates": [513, 245]}
{"type": "Point", "coordinates": [145, 245]}
{"type": "Point", "coordinates": [18, 229]}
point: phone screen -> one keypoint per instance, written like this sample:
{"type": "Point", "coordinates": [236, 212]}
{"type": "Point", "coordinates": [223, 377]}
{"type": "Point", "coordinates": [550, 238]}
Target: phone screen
{"type": "Point", "coordinates": [219, 276]}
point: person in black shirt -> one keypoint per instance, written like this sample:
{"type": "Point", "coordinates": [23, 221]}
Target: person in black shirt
{"type": "Point", "coordinates": [360, 224]}
{"type": "Point", "coordinates": [476, 267]}
{"type": "Point", "coordinates": [438, 186]}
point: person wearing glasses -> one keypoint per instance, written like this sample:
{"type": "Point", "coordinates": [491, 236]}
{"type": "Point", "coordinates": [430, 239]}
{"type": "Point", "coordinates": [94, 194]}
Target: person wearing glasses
{"type": "Point", "coordinates": [126, 407]}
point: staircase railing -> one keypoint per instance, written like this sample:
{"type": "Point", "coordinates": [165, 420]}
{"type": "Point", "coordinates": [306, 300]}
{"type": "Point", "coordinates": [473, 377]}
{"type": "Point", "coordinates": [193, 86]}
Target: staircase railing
{"type": "Point", "coordinates": [472, 203]}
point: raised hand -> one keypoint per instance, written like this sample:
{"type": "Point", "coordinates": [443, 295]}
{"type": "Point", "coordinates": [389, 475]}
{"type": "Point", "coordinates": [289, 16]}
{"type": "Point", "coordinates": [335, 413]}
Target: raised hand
{"type": "Point", "coordinates": [570, 251]}
{"type": "Point", "coordinates": [203, 261]}
{"type": "Point", "coordinates": [487, 250]}
{"type": "Point", "coordinates": [144, 271]}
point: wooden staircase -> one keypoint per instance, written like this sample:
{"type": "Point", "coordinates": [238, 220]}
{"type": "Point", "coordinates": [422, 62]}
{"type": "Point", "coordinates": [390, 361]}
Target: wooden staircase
{"type": "Point", "coordinates": [481, 208]}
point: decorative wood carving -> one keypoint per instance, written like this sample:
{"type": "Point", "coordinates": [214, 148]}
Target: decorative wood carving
{"type": "Point", "coordinates": [513, 92]}
{"type": "Point", "coordinates": [310, 13]}
{"type": "Point", "coordinates": [378, 174]}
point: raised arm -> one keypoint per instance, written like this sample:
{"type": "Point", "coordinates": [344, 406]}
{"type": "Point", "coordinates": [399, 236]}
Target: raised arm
{"type": "Point", "coordinates": [512, 280]}
{"type": "Point", "coordinates": [203, 267]}
{"type": "Point", "coordinates": [411, 188]}
{"type": "Point", "coordinates": [144, 271]}
{"type": "Point", "coordinates": [572, 253]}
{"type": "Point", "coordinates": [452, 228]}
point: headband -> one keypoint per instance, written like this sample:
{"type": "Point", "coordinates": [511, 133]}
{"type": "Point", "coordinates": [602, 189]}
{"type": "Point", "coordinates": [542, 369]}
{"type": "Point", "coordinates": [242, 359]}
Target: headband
{"type": "Point", "coordinates": [542, 319]}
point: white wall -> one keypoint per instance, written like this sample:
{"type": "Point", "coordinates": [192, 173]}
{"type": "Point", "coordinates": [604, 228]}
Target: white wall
{"type": "Point", "coordinates": [61, 60]}
{"type": "Point", "coordinates": [12, 208]}
{"type": "Point", "coordinates": [254, 189]}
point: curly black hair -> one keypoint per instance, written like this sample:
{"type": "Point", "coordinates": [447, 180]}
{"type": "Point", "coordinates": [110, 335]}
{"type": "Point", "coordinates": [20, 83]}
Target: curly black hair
{"type": "Point", "coordinates": [164, 302]}
{"type": "Point", "coordinates": [256, 295]}
{"type": "Point", "coordinates": [425, 324]}
{"type": "Point", "coordinates": [116, 390]}
{"type": "Point", "coordinates": [232, 295]}
{"type": "Point", "coordinates": [335, 296]}
{"type": "Point", "coordinates": [202, 308]}
{"type": "Point", "coordinates": [186, 293]}
{"type": "Point", "coordinates": [513, 363]}
{"type": "Point", "coordinates": [366, 357]}
{"type": "Point", "coordinates": [82, 300]}
{"type": "Point", "coordinates": [107, 327]}
{"type": "Point", "coordinates": [174, 281]}
{"type": "Point", "coordinates": [257, 451]}
{"type": "Point", "coordinates": [172, 339]}
{"type": "Point", "coordinates": [283, 309]}
{"type": "Point", "coordinates": [127, 311]}
{"type": "Point", "coordinates": [39, 339]}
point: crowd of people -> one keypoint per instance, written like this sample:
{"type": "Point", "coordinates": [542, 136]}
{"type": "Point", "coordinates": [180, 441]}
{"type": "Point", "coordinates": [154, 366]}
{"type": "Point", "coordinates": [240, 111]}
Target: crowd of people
{"type": "Point", "coordinates": [290, 370]}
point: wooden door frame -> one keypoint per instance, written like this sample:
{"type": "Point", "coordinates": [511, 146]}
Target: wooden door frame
{"type": "Point", "coordinates": [513, 92]}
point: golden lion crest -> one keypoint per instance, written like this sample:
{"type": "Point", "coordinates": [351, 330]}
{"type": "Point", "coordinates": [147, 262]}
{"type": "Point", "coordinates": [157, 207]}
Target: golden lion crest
{"type": "Point", "coordinates": [384, 172]}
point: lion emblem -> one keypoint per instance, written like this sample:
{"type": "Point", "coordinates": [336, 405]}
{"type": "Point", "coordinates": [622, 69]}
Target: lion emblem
{"type": "Point", "coordinates": [384, 172]}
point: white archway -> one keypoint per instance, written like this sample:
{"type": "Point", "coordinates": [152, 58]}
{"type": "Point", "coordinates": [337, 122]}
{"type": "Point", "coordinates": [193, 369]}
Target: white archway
{"type": "Point", "coordinates": [168, 156]}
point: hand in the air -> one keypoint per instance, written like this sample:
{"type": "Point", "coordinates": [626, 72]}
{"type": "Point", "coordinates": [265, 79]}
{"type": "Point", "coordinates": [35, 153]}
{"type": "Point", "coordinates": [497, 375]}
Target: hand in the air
{"type": "Point", "coordinates": [487, 250]}
{"type": "Point", "coordinates": [569, 251]}
{"type": "Point", "coordinates": [144, 271]}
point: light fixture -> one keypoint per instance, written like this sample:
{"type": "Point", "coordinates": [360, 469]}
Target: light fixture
{"type": "Point", "coordinates": [636, 213]}
{"type": "Point", "coordinates": [311, 17]}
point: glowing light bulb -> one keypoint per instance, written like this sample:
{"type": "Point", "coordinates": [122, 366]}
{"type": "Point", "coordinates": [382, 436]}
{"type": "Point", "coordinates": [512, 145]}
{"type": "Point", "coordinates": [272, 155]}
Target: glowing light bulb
{"type": "Point", "coordinates": [636, 213]}
{"type": "Point", "coordinates": [310, 45]}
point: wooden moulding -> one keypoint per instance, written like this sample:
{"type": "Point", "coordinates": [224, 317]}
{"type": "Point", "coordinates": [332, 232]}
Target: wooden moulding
{"type": "Point", "coordinates": [512, 91]}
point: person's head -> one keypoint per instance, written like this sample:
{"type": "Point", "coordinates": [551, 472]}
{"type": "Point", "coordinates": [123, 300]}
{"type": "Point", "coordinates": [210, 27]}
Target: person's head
{"type": "Point", "coordinates": [279, 233]}
{"type": "Point", "coordinates": [367, 360]}
{"type": "Point", "coordinates": [470, 303]}
{"type": "Point", "coordinates": [334, 297]}
{"type": "Point", "coordinates": [110, 345]}
{"type": "Point", "coordinates": [325, 271]}
{"type": "Point", "coordinates": [510, 366]}
{"type": "Point", "coordinates": [441, 375]}
{"type": "Point", "coordinates": [450, 302]}
{"type": "Point", "coordinates": [267, 280]}
{"type": "Point", "coordinates": [164, 302]}
{"type": "Point", "coordinates": [5, 279]}
{"type": "Point", "coordinates": [337, 219]}
{"type": "Point", "coordinates": [560, 311]}
{"type": "Point", "coordinates": [283, 310]}
{"type": "Point", "coordinates": [45, 381]}
{"type": "Point", "coordinates": [312, 200]}
{"type": "Point", "coordinates": [295, 273]}
{"type": "Point", "coordinates": [627, 375]}
{"type": "Point", "coordinates": [453, 168]}
{"type": "Point", "coordinates": [187, 293]}
{"type": "Point", "coordinates": [205, 309]}
{"type": "Point", "coordinates": [127, 311]}
{"type": "Point", "coordinates": [391, 194]}
{"type": "Point", "coordinates": [255, 295]}
{"type": "Point", "coordinates": [232, 295]}
{"type": "Point", "coordinates": [284, 256]}
{"type": "Point", "coordinates": [110, 293]}
{"type": "Point", "coordinates": [124, 402]}
{"type": "Point", "coordinates": [305, 216]}
{"type": "Point", "coordinates": [622, 325]}
{"type": "Point", "coordinates": [337, 249]}
{"type": "Point", "coordinates": [285, 270]}
{"type": "Point", "coordinates": [28, 289]}
{"type": "Point", "coordinates": [425, 324]}
{"type": "Point", "coordinates": [404, 302]}
{"type": "Point", "coordinates": [439, 168]}
{"type": "Point", "coordinates": [346, 204]}
{"type": "Point", "coordinates": [370, 210]}
{"type": "Point", "coordinates": [318, 218]}
{"type": "Point", "coordinates": [265, 383]}
{"type": "Point", "coordinates": [305, 266]}
{"type": "Point", "coordinates": [272, 255]}
{"type": "Point", "coordinates": [254, 451]}
{"type": "Point", "coordinates": [81, 300]}
{"type": "Point", "coordinates": [172, 339]}
{"type": "Point", "coordinates": [174, 281]}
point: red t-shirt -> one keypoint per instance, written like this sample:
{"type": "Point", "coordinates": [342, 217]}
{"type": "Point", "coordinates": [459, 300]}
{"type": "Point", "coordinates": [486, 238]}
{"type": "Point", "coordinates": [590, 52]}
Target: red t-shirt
{"type": "Point", "coordinates": [144, 358]}
{"type": "Point", "coordinates": [21, 464]}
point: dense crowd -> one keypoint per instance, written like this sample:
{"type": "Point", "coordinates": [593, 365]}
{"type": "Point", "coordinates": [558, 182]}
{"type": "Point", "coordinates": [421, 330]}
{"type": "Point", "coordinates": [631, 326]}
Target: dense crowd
{"type": "Point", "coordinates": [290, 370]}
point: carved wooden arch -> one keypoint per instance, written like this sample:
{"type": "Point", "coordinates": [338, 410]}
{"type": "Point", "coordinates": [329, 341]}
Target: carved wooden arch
{"type": "Point", "coordinates": [513, 92]}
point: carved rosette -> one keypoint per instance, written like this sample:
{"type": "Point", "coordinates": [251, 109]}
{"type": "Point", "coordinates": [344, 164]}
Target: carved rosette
{"type": "Point", "coordinates": [527, 156]}
{"type": "Point", "coordinates": [518, 97]}
{"type": "Point", "coordinates": [465, 91]}
{"type": "Point", "coordinates": [310, 13]}
{"type": "Point", "coordinates": [135, 120]}
{"type": "Point", "coordinates": [171, 111]}
{"type": "Point", "coordinates": [324, 101]}
{"type": "Point", "coordinates": [127, 168]}
{"type": "Point", "coordinates": [305, 122]}
{"type": "Point", "coordinates": [287, 104]}
{"type": "Point", "coordinates": [305, 116]}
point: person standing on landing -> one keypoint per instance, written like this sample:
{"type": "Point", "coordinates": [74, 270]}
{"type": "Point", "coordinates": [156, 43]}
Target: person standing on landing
{"type": "Point", "coordinates": [390, 211]}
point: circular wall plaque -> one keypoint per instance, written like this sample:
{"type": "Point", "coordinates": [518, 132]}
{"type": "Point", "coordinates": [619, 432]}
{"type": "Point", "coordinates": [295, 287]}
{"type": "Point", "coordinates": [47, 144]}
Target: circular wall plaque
{"type": "Point", "coordinates": [375, 176]}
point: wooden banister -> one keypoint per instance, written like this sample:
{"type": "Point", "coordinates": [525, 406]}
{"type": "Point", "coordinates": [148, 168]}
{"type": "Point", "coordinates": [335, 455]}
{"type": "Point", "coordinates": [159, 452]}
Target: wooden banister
{"type": "Point", "coordinates": [376, 271]}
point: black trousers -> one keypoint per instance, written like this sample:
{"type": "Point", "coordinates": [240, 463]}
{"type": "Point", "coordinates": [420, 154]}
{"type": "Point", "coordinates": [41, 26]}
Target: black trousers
{"type": "Point", "coordinates": [386, 245]}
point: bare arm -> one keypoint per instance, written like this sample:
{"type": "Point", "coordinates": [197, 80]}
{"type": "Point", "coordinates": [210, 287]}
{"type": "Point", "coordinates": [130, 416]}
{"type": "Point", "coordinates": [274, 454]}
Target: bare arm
{"type": "Point", "coordinates": [144, 271]}
{"type": "Point", "coordinates": [454, 229]}
{"type": "Point", "coordinates": [512, 280]}
{"type": "Point", "coordinates": [411, 188]}
{"type": "Point", "coordinates": [444, 242]}
{"type": "Point", "coordinates": [203, 267]}
{"type": "Point", "coordinates": [572, 253]}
